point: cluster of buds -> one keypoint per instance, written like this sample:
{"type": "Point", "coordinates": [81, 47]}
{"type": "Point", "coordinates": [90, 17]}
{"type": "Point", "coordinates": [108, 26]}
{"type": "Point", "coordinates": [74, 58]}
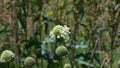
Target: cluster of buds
{"type": "Point", "coordinates": [60, 32]}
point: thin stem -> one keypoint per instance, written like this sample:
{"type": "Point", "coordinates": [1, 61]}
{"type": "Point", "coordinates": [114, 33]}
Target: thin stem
{"type": "Point", "coordinates": [60, 60]}
{"type": "Point", "coordinates": [14, 33]}
{"type": "Point", "coordinates": [42, 62]}
{"type": "Point", "coordinates": [7, 65]}
{"type": "Point", "coordinates": [70, 60]}
{"type": "Point", "coordinates": [92, 54]}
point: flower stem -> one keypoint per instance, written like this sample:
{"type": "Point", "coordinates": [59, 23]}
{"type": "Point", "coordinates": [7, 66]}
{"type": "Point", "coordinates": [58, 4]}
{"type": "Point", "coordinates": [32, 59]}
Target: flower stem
{"type": "Point", "coordinates": [60, 60]}
{"type": "Point", "coordinates": [70, 60]}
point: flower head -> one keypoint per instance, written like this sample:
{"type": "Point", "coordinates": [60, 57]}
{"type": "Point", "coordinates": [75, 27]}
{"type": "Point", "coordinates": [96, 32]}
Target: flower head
{"type": "Point", "coordinates": [7, 56]}
{"type": "Point", "coordinates": [66, 29]}
{"type": "Point", "coordinates": [67, 66]}
{"type": "Point", "coordinates": [29, 61]}
{"type": "Point", "coordinates": [60, 31]}
{"type": "Point", "coordinates": [61, 51]}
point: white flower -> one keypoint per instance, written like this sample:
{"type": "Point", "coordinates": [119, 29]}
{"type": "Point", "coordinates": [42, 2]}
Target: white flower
{"type": "Point", "coordinates": [60, 31]}
{"type": "Point", "coordinates": [66, 29]}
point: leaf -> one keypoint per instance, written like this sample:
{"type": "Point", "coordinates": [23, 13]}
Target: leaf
{"type": "Point", "coordinates": [20, 26]}
{"type": "Point", "coordinates": [118, 43]}
{"type": "Point", "coordinates": [81, 44]}
{"type": "Point", "coordinates": [81, 61]}
{"type": "Point", "coordinates": [55, 61]}
{"type": "Point", "coordinates": [48, 40]}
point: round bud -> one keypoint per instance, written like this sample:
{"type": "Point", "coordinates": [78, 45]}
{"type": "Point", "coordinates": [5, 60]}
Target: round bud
{"type": "Point", "coordinates": [61, 51]}
{"type": "Point", "coordinates": [29, 61]}
{"type": "Point", "coordinates": [67, 66]}
{"type": "Point", "coordinates": [7, 56]}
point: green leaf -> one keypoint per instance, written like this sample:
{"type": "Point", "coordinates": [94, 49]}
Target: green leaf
{"type": "Point", "coordinates": [81, 61]}
{"type": "Point", "coordinates": [48, 40]}
{"type": "Point", "coordinates": [81, 44]}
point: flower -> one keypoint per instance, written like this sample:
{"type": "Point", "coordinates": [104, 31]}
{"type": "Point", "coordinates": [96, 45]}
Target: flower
{"type": "Point", "coordinates": [60, 31]}
{"type": "Point", "coordinates": [61, 51]}
{"type": "Point", "coordinates": [66, 29]}
{"type": "Point", "coordinates": [29, 61]}
{"type": "Point", "coordinates": [67, 66]}
{"type": "Point", "coordinates": [7, 56]}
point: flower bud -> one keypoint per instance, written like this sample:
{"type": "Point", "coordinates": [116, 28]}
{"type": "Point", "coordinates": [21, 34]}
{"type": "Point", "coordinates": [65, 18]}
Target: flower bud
{"type": "Point", "coordinates": [7, 56]}
{"type": "Point", "coordinates": [67, 66]}
{"type": "Point", "coordinates": [29, 61]}
{"type": "Point", "coordinates": [61, 51]}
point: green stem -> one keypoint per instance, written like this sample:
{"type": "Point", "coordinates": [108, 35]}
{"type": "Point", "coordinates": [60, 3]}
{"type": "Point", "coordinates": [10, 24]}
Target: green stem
{"type": "Point", "coordinates": [60, 60]}
{"type": "Point", "coordinates": [42, 63]}
{"type": "Point", "coordinates": [70, 60]}
{"type": "Point", "coordinates": [7, 65]}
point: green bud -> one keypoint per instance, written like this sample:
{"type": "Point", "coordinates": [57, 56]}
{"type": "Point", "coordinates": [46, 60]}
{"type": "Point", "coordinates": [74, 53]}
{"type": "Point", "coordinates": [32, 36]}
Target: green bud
{"type": "Point", "coordinates": [67, 66]}
{"type": "Point", "coordinates": [7, 56]}
{"type": "Point", "coordinates": [61, 51]}
{"type": "Point", "coordinates": [29, 61]}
